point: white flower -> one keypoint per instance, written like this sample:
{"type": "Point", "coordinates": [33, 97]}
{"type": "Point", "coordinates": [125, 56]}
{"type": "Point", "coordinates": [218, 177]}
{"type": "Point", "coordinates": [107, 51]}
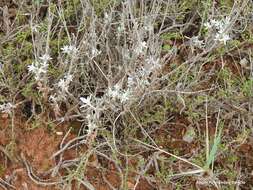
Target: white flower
{"type": "Point", "coordinates": [91, 118]}
{"type": "Point", "coordinates": [119, 94]}
{"type": "Point", "coordinates": [69, 49]}
{"type": "Point", "coordinates": [222, 37]}
{"type": "Point", "coordinates": [95, 52]}
{"type": "Point", "coordinates": [121, 28]}
{"type": "Point", "coordinates": [38, 69]}
{"type": "Point", "coordinates": [86, 101]}
{"type": "Point", "coordinates": [34, 28]}
{"type": "Point", "coordinates": [219, 25]}
{"type": "Point", "coordinates": [45, 58]}
{"type": "Point", "coordinates": [91, 127]}
{"type": "Point", "coordinates": [208, 25]}
{"type": "Point", "coordinates": [32, 68]}
{"type": "Point", "coordinates": [153, 61]}
{"type": "Point", "coordinates": [144, 82]}
{"type": "Point", "coordinates": [149, 27]}
{"type": "Point", "coordinates": [152, 65]}
{"type": "Point", "coordinates": [144, 72]}
{"type": "Point", "coordinates": [196, 42]}
{"type": "Point", "coordinates": [226, 22]}
{"type": "Point", "coordinates": [41, 70]}
{"type": "Point", "coordinates": [69, 78]}
{"type": "Point", "coordinates": [130, 82]}
{"type": "Point", "coordinates": [53, 98]}
{"type": "Point", "coordinates": [7, 107]}
{"type": "Point", "coordinates": [107, 18]}
{"type": "Point", "coordinates": [141, 46]}
{"type": "Point", "coordinates": [213, 24]}
{"type": "Point", "coordinates": [115, 92]}
{"type": "Point", "coordinates": [117, 87]}
{"type": "Point", "coordinates": [125, 96]}
{"type": "Point", "coordinates": [63, 84]}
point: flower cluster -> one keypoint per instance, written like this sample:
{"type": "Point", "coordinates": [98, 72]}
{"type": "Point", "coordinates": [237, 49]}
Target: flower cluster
{"type": "Point", "coordinates": [92, 113]}
{"type": "Point", "coordinates": [195, 41]}
{"type": "Point", "coordinates": [64, 83]}
{"type": "Point", "coordinates": [91, 123]}
{"type": "Point", "coordinates": [222, 37]}
{"type": "Point", "coordinates": [69, 49]}
{"type": "Point", "coordinates": [94, 52]}
{"type": "Point", "coordinates": [86, 102]}
{"type": "Point", "coordinates": [39, 68]}
{"type": "Point", "coordinates": [138, 79]}
{"type": "Point", "coordinates": [7, 107]}
{"type": "Point", "coordinates": [152, 64]}
{"type": "Point", "coordinates": [218, 24]}
{"type": "Point", "coordinates": [107, 18]}
{"type": "Point", "coordinates": [141, 76]}
{"type": "Point", "coordinates": [117, 93]}
{"type": "Point", "coordinates": [220, 27]}
{"type": "Point", "coordinates": [140, 47]}
{"type": "Point", "coordinates": [120, 28]}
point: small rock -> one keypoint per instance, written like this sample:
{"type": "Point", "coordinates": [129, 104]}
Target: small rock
{"type": "Point", "coordinates": [59, 133]}
{"type": "Point", "coordinates": [189, 135]}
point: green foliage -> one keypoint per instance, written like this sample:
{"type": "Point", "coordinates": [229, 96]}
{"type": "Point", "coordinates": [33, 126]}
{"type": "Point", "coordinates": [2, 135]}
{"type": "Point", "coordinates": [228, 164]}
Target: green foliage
{"type": "Point", "coordinates": [100, 6]}
{"type": "Point", "coordinates": [192, 104]}
{"type": "Point", "coordinates": [56, 43]}
{"type": "Point", "coordinates": [232, 159]}
{"type": "Point", "coordinates": [2, 98]}
{"type": "Point", "coordinates": [27, 49]}
{"type": "Point", "coordinates": [20, 17]}
{"type": "Point", "coordinates": [247, 88]}
{"type": "Point", "coordinates": [234, 43]}
{"type": "Point", "coordinates": [11, 148]}
{"type": "Point", "coordinates": [200, 159]}
{"type": "Point", "coordinates": [8, 50]}
{"type": "Point", "coordinates": [51, 127]}
{"type": "Point", "coordinates": [37, 2]}
{"type": "Point", "coordinates": [226, 5]}
{"type": "Point", "coordinates": [171, 35]}
{"type": "Point", "coordinates": [228, 81]}
{"type": "Point", "coordinates": [214, 149]}
{"type": "Point", "coordinates": [34, 125]}
{"type": "Point", "coordinates": [70, 9]}
{"type": "Point", "coordinates": [18, 54]}
{"type": "Point", "coordinates": [167, 47]}
{"type": "Point", "coordinates": [2, 169]}
{"type": "Point", "coordinates": [54, 72]}
{"type": "Point", "coordinates": [164, 172]}
{"type": "Point", "coordinates": [42, 27]}
{"type": "Point", "coordinates": [29, 92]}
{"type": "Point", "coordinates": [156, 115]}
{"type": "Point", "coordinates": [187, 5]}
{"type": "Point", "coordinates": [247, 36]}
{"type": "Point", "coordinates": [22, 36]}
